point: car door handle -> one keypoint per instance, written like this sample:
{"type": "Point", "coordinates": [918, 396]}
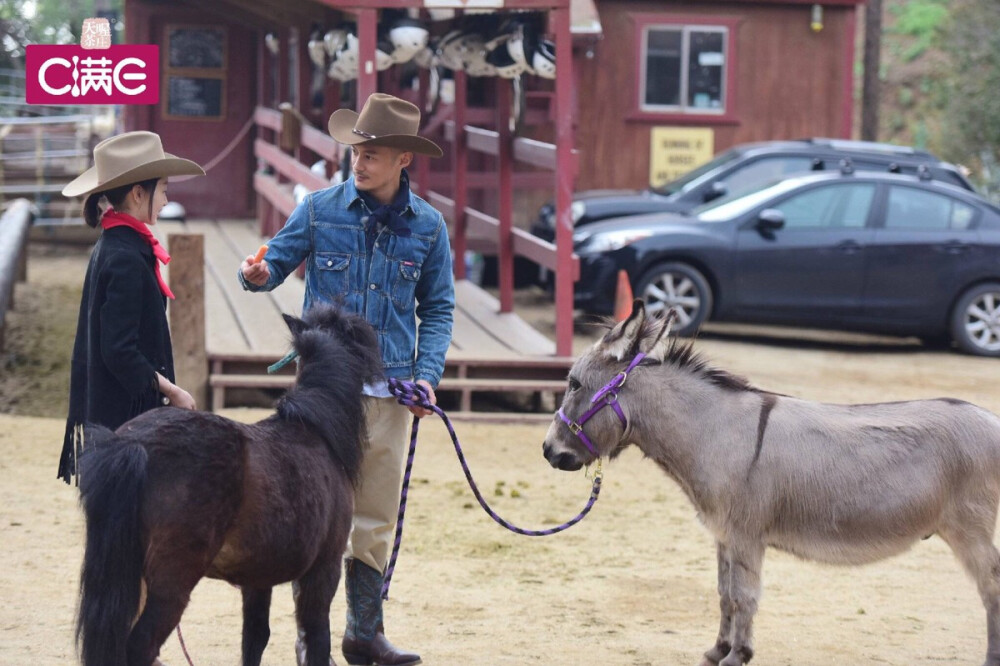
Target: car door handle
{"type": "Point", "coordinates": [954, 247]}
{"type": "Point", "coordinates": [848, 246]}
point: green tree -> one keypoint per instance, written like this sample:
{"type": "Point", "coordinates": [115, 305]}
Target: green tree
{"type": "Point", "coordinates": [940, 82]}
{"type": "Point", "coordinates": [15, 32]}
{"type": "Point", "coordinates": [24, 22]}
{"type": "Point", "coordinates": [61, 22]}
{"type": "Point", "coordinates": [910, 104]}
{"type": "Point", "coordinates": [972, 91]}
{"type": "Point", "coordinates": [920, 21]}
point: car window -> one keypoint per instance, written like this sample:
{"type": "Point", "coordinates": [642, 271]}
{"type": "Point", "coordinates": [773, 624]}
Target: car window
{"type": "Point", "coordinates": [834, 206]}
{"type": "Point", "coordinates": [910, 208]}
{"type": "Point", "coordinates": [764, 170]}
{"type": "Point", "coordinates": [734, 205]}
{"type": "Point", "coordinates": [688, 180]}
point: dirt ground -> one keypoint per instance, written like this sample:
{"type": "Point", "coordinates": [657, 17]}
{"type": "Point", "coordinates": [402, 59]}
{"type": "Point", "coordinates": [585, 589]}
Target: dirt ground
{"type": "Point", "coordinates": [634, 583]}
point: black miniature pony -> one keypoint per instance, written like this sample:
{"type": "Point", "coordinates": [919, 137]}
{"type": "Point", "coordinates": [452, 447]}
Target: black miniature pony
{"type": "Point", "coordinates": [176, 495]}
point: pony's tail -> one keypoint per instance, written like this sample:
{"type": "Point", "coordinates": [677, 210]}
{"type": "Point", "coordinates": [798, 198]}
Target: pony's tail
{"type": "Point", "coordinates": [112, 476]}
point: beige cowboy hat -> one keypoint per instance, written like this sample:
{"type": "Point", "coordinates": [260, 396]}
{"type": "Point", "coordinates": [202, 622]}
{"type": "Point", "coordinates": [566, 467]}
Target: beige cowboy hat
{"type": "Point", "coordinates": [129, 158]}
{"type": "Point", "coordinates": [384, 121]}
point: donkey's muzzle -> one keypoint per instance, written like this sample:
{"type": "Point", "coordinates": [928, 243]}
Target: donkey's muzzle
{"type": "Point", "coordinates": [565, 460]}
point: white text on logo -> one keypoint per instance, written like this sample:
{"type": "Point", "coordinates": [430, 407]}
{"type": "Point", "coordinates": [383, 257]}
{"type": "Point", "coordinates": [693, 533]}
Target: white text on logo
{"type": "Point", "coordinates": [95, 74]}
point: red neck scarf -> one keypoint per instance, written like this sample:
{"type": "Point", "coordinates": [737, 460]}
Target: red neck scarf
{"type": "Point", "coordinates": [113, 218]}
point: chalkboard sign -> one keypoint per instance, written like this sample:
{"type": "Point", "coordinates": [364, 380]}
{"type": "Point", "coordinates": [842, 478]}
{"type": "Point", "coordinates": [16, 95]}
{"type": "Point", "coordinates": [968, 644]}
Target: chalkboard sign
{"type": "Point", "coordinates": [193, 96]}
{"type": "Point", "coordinates": [196, 47]}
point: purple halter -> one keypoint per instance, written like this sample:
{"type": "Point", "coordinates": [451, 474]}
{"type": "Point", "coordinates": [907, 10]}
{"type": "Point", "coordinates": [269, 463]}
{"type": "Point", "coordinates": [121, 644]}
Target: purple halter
{"type": "Point", "coordinates": [609, 394]}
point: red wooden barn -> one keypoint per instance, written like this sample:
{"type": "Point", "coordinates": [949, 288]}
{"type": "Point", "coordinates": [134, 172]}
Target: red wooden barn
{"type": "Point", "coordinates": [643, 91]}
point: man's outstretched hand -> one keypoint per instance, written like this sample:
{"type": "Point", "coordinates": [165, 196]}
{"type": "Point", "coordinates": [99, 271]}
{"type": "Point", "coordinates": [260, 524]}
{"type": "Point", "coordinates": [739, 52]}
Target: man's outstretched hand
{"type": "Point", "coordinates": [255, 272]}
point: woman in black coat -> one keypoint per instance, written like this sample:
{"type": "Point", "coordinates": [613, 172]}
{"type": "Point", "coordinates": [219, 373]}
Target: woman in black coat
{"type": "Point", "coordinates": [122, 359]}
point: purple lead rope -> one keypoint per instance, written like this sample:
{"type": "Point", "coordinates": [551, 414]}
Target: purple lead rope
{"type": "Point", "coordinates": [412, 394]}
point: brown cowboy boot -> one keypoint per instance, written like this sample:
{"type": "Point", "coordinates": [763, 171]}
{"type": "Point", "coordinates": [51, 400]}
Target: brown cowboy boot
{"type": "Point", "coordinates": [364, 637]}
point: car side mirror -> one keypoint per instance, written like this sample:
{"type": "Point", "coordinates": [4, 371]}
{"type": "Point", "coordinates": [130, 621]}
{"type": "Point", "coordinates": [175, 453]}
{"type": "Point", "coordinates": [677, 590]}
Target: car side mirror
{"type": "Point", "coordinates": [718, 189]}
{"type": "Point", "coordinates": [769, 221]}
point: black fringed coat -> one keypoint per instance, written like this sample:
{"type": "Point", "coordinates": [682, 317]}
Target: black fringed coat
{"type": "Point", "coordinates": [122, 339]}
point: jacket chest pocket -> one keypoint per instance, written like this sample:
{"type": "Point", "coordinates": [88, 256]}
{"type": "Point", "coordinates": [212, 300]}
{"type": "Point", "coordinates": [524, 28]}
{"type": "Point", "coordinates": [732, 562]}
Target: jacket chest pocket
{"type": "Point", "coordinates": [332, 269]}
{"type": "Point", "coordinates": [404, 285]}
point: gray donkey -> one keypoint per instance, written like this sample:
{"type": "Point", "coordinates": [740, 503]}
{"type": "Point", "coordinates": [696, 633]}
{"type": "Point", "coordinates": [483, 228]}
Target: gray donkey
{"type": "Point", "coordinates": [843, 484]}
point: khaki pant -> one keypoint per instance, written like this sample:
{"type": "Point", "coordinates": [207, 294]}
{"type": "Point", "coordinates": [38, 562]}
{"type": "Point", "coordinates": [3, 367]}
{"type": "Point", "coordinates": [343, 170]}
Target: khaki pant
{"type": "Point", "coordinates": [376, 501]}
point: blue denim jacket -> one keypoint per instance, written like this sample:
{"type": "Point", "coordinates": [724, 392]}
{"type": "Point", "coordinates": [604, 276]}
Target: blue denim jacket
{"type": "Point", "coordinates": [407, 277]}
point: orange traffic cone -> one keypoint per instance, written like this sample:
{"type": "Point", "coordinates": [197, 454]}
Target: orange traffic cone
{"type": "Point", "coordinates": [623, 297]}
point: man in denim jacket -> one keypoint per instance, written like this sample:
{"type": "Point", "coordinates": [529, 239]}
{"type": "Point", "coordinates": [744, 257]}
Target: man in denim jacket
{"type": "Point", "coordinates": [381, 251]}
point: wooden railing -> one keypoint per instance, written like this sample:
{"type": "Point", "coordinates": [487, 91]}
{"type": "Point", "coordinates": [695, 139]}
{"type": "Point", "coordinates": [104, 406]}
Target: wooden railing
{"type": "Point", "coordinates": [282, 171]}
{"type": "Point", "coordinates": [557, 164]}
{"type": "Point", "coordinates": [478, 224]}
{"type": "Point", "coordinates": [14, 225]}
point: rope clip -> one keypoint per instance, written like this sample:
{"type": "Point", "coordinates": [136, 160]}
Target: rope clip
{"type": "Point", "coordinates": [598, 471]}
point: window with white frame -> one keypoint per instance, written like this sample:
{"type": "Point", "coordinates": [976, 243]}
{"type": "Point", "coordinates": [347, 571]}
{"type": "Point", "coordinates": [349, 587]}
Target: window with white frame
{"type": "Point", "coordinates": [684, 69]}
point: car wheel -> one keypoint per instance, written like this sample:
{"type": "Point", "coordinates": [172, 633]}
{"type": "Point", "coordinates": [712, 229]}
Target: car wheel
{"type": "Point", "coordinates": [975, 323]}
{"type": "Point", "coordinates": [680, 287]}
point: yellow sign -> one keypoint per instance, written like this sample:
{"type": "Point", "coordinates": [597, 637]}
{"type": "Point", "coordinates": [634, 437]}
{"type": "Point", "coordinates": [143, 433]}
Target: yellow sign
{"type": "Point", "coordinates": [673, 151]}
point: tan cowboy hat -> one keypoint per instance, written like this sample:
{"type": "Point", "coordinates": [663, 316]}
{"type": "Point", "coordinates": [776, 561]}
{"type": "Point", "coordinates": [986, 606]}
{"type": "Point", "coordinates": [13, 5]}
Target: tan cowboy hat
{"type": "Point", "coordinates": [131, 157]}
{"type": "Point", "coordinates": [384, 121]}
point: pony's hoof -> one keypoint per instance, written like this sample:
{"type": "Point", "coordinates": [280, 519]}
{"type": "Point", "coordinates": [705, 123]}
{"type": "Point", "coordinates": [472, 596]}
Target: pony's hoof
{"type": "Point", "coordinates": [715, 655]}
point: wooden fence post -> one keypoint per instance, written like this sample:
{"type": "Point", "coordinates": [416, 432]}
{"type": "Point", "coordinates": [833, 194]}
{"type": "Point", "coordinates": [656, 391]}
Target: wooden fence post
{"type": "Point", "coordinates": [187, 314]}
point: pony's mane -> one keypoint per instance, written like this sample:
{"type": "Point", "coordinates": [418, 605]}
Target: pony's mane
{"type": "Point", "coordinates": [338, 354]}
{"type": "Point", "coordinates": [681, 354]}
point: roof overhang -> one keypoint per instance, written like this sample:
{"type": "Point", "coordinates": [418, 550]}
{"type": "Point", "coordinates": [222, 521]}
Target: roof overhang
{"type": "Point", "coordinates": [585, 21]}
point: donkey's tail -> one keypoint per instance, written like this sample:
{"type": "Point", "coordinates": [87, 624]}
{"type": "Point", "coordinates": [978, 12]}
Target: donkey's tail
{"type": "Point", "coordinates": [112, 476]}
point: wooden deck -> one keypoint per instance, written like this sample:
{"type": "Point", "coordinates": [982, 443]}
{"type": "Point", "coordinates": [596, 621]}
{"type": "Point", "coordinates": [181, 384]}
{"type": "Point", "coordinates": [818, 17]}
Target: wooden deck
{"type": "Point", "coordinates": [490, 351]}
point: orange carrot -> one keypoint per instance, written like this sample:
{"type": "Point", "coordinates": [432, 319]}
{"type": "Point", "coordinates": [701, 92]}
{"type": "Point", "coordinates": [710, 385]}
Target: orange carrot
{"type": "Point", "coordinates": [260, 254]}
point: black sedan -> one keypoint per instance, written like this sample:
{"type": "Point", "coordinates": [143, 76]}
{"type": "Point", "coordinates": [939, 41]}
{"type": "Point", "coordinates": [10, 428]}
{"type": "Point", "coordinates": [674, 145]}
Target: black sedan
{"type": "Point", "coordinates": [863, 251]}
{"type": "Point", "coordinates": [743, 167]}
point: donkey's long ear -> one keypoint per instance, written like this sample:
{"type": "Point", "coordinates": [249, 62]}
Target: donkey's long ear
{"type": "Point", "coordinates": [660, 343]}
{"type": "Point", "coordinates": [621, 339]}
{"type": "Point", "coordinates": [295, 325]}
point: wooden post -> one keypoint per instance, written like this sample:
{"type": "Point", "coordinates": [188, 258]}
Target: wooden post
{"type": "Point", "coordinates": [459, 165]}
{"type": "Point", "coordinates": [565, 175]}
{"type": "Point", "coordinates": [423, 163]}
{"type": "Point", "coordinates": [187, 314]}
{"type": "Point", "coordinates": [283, 88]}
{"type": "Point", "coordinates": [505, 190]}
{"type": "Point", "coordinates": [367, 72]}
{"type": "Point", "coordinates": [871, 85]}
{"type": "Point", "coordinates": [22, 261]}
